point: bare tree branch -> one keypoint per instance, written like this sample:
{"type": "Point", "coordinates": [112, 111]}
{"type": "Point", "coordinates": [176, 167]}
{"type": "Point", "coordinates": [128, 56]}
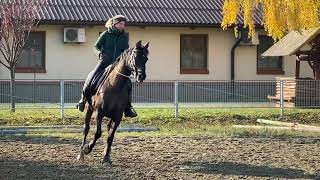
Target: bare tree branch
{"type": "Point", "coordinates": [17, 17]}
{"type": "Point", "coordinates": [4, 65]}
{"type": "Point", "coordinates": [3, 47]}
{"type": "Point", "coordinates": [4, 55]}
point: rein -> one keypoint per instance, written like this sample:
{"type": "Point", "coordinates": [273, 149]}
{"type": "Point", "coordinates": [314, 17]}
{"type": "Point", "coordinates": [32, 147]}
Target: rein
{"type": "Point", "coordinates": [122, 74]}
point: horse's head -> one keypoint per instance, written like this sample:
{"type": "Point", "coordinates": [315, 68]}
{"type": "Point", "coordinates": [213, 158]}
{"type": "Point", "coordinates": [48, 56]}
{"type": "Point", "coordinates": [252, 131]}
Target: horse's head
{"type": "Point", "coordinates": [138, 61]}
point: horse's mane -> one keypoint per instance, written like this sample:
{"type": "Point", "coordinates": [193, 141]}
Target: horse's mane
{"type": "Point", "coordinates": [123, 56]}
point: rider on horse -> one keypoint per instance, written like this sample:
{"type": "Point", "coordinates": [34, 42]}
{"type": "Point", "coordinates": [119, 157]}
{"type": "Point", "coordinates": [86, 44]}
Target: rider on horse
{"type": "Point", "coordinates": [108, 48]}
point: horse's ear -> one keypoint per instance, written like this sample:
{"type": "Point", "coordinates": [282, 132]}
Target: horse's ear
{"type": "Point", "coordinates": [138, 44]}
{"type": "Point", "coordinates": [147, 45]}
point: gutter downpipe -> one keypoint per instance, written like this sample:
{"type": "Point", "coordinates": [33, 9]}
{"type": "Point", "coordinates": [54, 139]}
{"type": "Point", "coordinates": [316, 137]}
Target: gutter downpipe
{"type": "Point", "coordinates": [232, 96]}
{"type": "Point", "coordinates": [233, 49]}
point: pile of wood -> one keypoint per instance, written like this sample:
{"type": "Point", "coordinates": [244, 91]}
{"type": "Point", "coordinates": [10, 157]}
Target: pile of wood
{"type": "Point", "coordinates": [298, 92]}
{"type": "Point", "coordinates": [289, 89]}
{"type": "Point", "coordinates": [278, 125]}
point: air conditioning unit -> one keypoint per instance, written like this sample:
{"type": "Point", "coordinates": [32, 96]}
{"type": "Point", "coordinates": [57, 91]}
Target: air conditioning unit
{"type": "Point", "coordinates": [74, 35]}
{"type": "Point", "coordinates": [246, 41]}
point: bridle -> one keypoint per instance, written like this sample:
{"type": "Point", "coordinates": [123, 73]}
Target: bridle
{"type": "Point", "coordinates": [132, 66]}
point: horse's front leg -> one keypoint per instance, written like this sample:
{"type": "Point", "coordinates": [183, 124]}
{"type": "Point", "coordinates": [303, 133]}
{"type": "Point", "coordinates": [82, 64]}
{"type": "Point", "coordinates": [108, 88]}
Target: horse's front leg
{"type": "Point", "coordinates": [112, 130]}
{"type": "Point", "coordinates": [85, 134]}
{"type": "Point", "coordinates": [88, 148]}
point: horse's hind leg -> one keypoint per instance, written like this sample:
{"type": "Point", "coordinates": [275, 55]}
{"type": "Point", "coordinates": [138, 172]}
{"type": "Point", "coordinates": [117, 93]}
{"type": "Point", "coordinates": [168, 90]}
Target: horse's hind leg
{"type": "Point", "coordinates": [88, 148]}
{"type": "Point", "coordinates": [112, 127]}
{"type": "Point", "coordinates": [85, 133]}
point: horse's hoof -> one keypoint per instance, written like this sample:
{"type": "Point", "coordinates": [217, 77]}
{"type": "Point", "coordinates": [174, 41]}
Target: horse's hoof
{"type": "Point", "coordinates": [80, 157]}
{"type": "Point", "coordinates": [107, 161]}
{"type": "Point", "coordinates": [86, 150]}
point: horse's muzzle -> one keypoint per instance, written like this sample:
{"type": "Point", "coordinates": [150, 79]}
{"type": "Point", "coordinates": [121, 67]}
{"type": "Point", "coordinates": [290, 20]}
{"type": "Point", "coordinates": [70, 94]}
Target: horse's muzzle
{"type": "Point", "coordinates": [141, 77]}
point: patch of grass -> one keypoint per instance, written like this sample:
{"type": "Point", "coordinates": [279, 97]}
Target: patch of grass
{"type": "Point", "coordinates": [40, 117]}
{"type": "Point", "coordinates": [191, 117]}
{"type": "Point", "coordinates": [194, 117]}
{"type": "Point", "coordinates": [179, 130]}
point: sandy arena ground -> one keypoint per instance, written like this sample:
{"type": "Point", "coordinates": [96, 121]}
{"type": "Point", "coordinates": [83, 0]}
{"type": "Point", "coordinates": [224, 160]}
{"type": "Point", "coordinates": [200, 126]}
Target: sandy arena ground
{"type": "Point", "coordinates": [162, 158]}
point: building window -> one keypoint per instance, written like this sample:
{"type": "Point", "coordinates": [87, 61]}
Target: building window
{"type": "Point", "coordinates": [270, 64]}
{"type": "Point", "coordinates": [32, 57]}
{"type": "Point", "coordinates": [193, 54]}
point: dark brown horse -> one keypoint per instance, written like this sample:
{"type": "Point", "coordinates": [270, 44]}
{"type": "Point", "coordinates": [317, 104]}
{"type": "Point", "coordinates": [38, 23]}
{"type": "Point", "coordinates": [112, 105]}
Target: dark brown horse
{"type": "Point", "coordinates": [112, 97]}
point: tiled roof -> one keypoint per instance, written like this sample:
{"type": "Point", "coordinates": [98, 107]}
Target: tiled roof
{"type": "Point", "coordinates": [169, 12]}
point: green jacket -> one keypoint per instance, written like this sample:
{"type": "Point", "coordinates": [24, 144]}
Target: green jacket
{"type": "Point", "coordinates": [112, 43]}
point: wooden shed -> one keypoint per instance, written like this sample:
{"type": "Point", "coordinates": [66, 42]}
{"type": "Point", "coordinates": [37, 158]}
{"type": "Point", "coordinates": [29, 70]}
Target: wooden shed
{"type": "Point", "coordinates": [306, 47]}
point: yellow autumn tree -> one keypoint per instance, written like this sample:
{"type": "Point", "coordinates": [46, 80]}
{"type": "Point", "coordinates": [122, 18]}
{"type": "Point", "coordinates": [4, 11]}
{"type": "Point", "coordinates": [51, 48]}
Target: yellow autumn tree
{"type": "Point", "coordinates": [279, 16]}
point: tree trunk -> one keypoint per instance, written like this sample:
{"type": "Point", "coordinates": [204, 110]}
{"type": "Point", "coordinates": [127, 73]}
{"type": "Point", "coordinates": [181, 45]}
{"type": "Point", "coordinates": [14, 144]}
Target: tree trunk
{"type": "Point", "coordinates": [317, 75]}
{"type": "Point", "coordinates": [12, 89]}
{"type": "Point", "coordinates": [297, 68]}
{"type": "Point", "coordinates": [316, 68]}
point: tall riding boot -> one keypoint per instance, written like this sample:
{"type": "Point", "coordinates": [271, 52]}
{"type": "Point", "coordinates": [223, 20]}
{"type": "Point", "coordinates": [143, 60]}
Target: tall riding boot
{"type": "Point", "coordinates": [84, 97]}
{"type": "Point", "coordinates": [87, 87]}
{"type": "Point", "coordinates": [129, 111]}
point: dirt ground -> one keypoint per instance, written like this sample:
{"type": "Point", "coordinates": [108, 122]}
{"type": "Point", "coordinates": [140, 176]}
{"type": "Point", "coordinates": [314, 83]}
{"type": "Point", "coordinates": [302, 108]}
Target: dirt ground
{"type": "Point", "coordinates": [162, 158]}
